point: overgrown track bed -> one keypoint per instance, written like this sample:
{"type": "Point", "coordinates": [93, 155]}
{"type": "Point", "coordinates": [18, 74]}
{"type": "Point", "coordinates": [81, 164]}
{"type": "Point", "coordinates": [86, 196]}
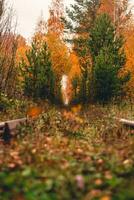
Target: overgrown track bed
{"type": "Point", "coordinates": [86, 153]}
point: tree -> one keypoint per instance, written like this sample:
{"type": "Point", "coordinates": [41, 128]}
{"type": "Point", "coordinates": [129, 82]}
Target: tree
{"type": "Point", "coordinates": [60, 54]}
{"type": "Point", "coordinates": [108, 59]}
{"type": "Point", "coordinates": [8, 47]}
{"type": "Point", "coordinates": [38, 74]}
{"type": "Point", "coordinates": [120, 12]}
{"type": "Point", "coordinates": [51, 32]}
{"type": "Point", "coordinates": [22, 48]}
{"type": "Point", "coordinates": [121, 15]}
{"type": "Point", "coordinates": [129, 50]}
{"type": "Point", "coordinates": [80, 18]}
{"type": "Point", "coordinates": [56, 11]}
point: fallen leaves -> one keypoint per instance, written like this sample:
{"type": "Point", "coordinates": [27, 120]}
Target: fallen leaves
{"type": "Point", "coordinates": [98, 182]}
{"type": "Point", "coordinates": [105, 198]}
{"type": "Point", "coordinates": [50, 159]}
{"type": "Point", "coordinates": [34, 112]}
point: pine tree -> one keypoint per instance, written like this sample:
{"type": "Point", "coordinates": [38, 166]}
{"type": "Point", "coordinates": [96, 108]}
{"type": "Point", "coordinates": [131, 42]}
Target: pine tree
{"type": "Point", "coordinates": [79, 21]}
{"type": "Point", "coordinates": [108, 59]}
{"type": "Point", "coordinates": [38, 74]}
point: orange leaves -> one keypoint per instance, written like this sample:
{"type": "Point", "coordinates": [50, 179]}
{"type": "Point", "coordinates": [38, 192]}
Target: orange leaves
{"type": "Point", "coordinates": [59, 50]}
{"type": "Point", "coordinates": [34, 112]}
{"type": "Point", "coordinates": [76, 109]}
{"type": "Point", "coordinates": [73, 114]}
{"type": "Point", "coordinates": [105, 198]}
{"type": "Point", "coordinates": [75, 69]}
{"type": "Point", "coordinates": [107, 6]}
{"type": "Point", "coordinates": [22, 47]}
{"type": "Point", "coordinates": [59, 54]}
{"type": "Point", "coordinates": [21, 54]}
{"type": "Point", "coordinates": [119, 11]}
{"type": "Point", "coordinates": [129, 50]}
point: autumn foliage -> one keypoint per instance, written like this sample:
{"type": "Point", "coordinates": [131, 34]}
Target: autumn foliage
{"type": "Point", "coordinates": [34, 112]}
{"type": "Point", "coordinates": [72, 59]}
{"type": "Point", "coordinates": [70, 147]}
{"type": "Point", "coordinates": [129, 50]}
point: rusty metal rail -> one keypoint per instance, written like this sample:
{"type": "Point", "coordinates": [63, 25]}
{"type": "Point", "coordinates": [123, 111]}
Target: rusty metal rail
{"type": "Point", "coordinates": [7, 128]}
{"type": "Point", "coordinates": [12, 124]}
{"type": "Point", "coordinates": [126, 122]}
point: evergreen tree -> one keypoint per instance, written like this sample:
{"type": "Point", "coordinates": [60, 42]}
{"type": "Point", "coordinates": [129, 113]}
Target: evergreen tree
{"type": "Point", "coordinates": [38, 74]}
{"type": "Point", "coordinates": [79, 21]}
{"type": "Point", "coordinates": [108, 59]}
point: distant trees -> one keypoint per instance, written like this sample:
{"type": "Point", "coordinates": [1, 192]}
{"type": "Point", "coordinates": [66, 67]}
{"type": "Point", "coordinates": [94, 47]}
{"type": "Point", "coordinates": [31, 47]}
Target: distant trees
{"type": "Point", "coordinates": [38, 73]}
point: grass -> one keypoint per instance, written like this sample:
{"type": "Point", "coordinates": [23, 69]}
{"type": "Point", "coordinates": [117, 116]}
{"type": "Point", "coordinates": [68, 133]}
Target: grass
{"type": "Point", "coordinates": [74, 154]}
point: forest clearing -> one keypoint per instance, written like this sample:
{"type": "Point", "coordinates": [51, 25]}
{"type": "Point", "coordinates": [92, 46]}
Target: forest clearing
{"type": "Point", "coordinates": [67, 103]}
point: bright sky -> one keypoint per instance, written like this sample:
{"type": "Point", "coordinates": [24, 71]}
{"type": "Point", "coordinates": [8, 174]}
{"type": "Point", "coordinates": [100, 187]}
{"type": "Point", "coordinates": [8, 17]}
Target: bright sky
{"type": "Point", "coordinates": [28, 12]}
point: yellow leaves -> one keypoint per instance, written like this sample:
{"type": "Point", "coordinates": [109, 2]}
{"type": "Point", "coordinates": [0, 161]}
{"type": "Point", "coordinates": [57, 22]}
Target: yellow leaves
{"type": "Point", "coordinates": [39, 38]}
{"type": "Point", "coordinates": [105, 198]}
{"type": "Point", "coordinates": [59, 54]}
{"type": "Point", "coordinates": [21, 50]}
{"type": "Point", "coordinates": [21, 54]}
{"type": "Point", "coordinates": [129, 50]}
{"type": "Point", "coordinates": [75, 67]}
{"type": "Point", "coordinates": [76, 109]}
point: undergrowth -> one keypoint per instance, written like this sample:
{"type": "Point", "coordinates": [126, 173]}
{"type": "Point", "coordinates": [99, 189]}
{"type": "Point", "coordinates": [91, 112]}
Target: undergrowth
{"type": "Point", "coordinates": [69, 155]}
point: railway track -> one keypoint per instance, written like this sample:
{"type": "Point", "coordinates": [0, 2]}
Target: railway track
{"type": "Point", "coordinates": [7, 128]}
